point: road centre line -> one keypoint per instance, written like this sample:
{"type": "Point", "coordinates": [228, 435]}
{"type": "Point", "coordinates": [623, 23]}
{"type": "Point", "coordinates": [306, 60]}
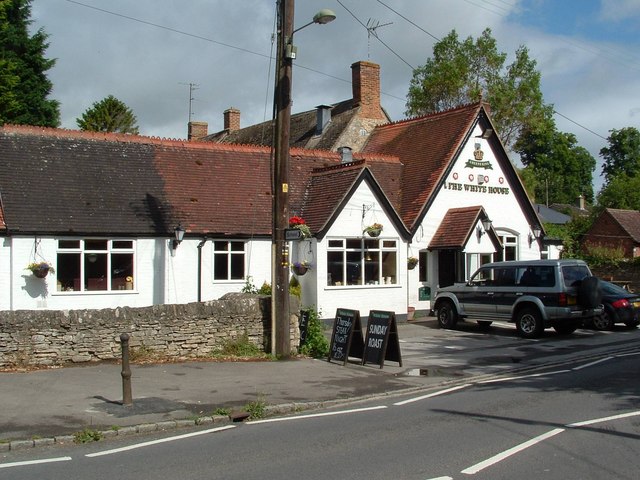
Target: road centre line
{"type": "Point", "coordinates": [512, 451]}
{"type": "Point", "coordinates": [34, 462]}
{"type": "Point", "coordinates": [603, 419]}
{"type": "Point", "coordinates": [586, 365]}
{"type": "Point", "coordinates": [162, 440]}
{"type": "Point", "coordinates": [314, 415]}
{"type": "Point", "coordinates": [434, 394]}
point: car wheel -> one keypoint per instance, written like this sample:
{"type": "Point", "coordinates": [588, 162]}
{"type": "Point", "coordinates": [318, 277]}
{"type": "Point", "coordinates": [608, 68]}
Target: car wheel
{"type": "Point", "coordinates": [529, 323]}
{"type": "Point", "coordinates": [603, 321]}
{"type": "Point", "coordinates": [447, 316]}
{"type": "Point", "coordinates": [565, 328]}
{"type": "Point", "coordinates": [484, 324]}
{"type": "Point", "coordinates": [589, 293]}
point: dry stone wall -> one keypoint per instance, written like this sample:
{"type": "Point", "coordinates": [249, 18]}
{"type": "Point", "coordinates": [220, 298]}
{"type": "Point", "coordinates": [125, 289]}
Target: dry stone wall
{"type": "Point", "coordinates": [52, 337]}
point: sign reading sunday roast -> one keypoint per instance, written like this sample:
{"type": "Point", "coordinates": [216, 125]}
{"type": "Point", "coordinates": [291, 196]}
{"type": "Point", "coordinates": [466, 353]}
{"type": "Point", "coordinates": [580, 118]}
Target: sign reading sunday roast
{"type": "Point", "coordinates": [346, 339]}
{"type": "Point", "coordinates": [382, 342]}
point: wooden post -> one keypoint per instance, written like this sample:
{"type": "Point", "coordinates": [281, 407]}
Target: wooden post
{"type": "Point", "coordinates": [127, 399]}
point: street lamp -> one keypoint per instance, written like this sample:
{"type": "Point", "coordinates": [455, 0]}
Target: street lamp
{"type": "Point", "coordinates": [280, 344]}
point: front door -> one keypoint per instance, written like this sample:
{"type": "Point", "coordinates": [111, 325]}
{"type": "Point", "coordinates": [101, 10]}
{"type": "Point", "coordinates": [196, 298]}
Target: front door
{"type": "Point", "coordinates": [446, 267]}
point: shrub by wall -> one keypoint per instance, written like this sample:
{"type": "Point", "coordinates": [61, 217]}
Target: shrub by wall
{"type": "Point", "coordinates": [52, 337]}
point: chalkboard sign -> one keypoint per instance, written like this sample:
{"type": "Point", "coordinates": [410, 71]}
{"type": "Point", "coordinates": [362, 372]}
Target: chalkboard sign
{"type": "Point", "coordinates": [382, 342]}
{"type": "Point", "coordinates": [346, 339]}
{"type": "Point", "coordinates": [303, 324]}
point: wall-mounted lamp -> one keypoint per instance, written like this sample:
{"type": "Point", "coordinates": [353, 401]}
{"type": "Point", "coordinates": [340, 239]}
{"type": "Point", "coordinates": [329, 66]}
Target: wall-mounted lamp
{"type": "Point", "coordinates": [535, 236]}
{"type": "Point", "coordinates": [178, 233]}
{"type": "Point", "coordinates": [486, 225]}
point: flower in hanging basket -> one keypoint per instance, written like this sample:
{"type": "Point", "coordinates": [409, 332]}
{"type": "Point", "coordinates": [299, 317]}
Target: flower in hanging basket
{"type": "Point", "coordinates": [373, 230]}
{"type": "Point", "coordinates": [412, 262]}
{"type": "Point", "coordinates": [300, 268]}
{"type": "Point", "coordinates": [40, 269]}
{"type": "Point", "coordinates": [300, 224]}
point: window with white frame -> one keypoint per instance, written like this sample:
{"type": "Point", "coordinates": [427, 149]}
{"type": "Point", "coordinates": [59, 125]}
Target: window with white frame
{"type": "Point", "coordinates": [92, 265]}
{"type": "Point", "coordinates": [228, 260]}
{"type": "Point", "coordinates": [509, 246]}
{"type": "Point", "coordinates": [362, 261]}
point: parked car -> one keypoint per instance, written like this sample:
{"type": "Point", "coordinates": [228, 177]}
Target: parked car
{"type": "Point", "coordinates": [534, 294]}
{"type": "Point", "coordinates": [620, 306]}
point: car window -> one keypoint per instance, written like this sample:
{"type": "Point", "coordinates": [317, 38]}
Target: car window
{"type": "Point", "coordinates": [573, 274]}
{"type": "Point", "coordinates": [612, 289]}
{"type": "Point", "coordinates": [505, 277]}
{"type": "Point", "coordinates": [536, 276]}
{"type": "Point", "coordinates": [484, 276]}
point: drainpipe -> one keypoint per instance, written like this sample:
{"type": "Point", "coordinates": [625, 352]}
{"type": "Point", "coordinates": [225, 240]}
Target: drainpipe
{"type": "Point", "coordinates": [200, 245]}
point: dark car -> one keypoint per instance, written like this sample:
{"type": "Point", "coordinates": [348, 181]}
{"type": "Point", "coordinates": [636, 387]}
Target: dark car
{"type": "Point", "coordinates": [620, 306]}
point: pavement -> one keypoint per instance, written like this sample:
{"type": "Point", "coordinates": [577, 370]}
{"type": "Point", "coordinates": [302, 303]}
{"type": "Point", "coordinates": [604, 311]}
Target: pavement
{"type": "Point", "coordinates": [49, 406]}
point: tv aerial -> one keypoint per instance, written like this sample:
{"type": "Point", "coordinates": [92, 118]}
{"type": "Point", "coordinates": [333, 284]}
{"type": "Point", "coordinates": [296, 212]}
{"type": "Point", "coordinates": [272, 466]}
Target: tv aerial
{"type": "Point", "coordinates": [372, 26]}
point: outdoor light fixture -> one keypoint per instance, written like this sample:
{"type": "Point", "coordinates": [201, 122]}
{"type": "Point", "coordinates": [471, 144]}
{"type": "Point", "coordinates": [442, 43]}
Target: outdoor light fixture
{"type": "Point", "coordinates": [486, 224]}
{"type": "Point", "coordinates": [178, 232]}
{"type": "Point", "coordinates": [536, 235]}
{"type": "Point", "coordinates": [323, 17]}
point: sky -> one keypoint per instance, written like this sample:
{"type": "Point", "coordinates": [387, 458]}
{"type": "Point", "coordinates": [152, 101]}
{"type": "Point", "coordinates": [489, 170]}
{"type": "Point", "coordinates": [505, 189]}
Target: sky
{"type": "Point", "coordinates": [166, 59]}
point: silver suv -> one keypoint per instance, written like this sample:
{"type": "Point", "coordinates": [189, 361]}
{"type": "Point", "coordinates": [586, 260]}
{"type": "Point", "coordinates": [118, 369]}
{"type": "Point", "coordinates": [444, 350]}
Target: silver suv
{"type": "Point", "coordinates": [534, 294]}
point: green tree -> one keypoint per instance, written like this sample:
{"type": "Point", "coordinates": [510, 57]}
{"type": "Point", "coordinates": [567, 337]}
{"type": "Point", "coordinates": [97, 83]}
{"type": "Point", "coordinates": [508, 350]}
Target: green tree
{"type": "Point", "coordinates": [563, 169]}
{"type": "Point", "coordinates": [24, 86]}
{"type": "Point", "coordinates": [621, 192]}
{"type": "Point", "coordinates": [467, 71]}
{"type": "Point", "coordinates": [108, 115]}
{"type": "Point", "coordinates": [622, 156]}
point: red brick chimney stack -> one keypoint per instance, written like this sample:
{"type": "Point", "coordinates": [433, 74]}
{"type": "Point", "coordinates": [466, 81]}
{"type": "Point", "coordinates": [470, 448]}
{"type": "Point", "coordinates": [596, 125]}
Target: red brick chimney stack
{"type": "Point", "coordinates": [232, 119]}
{"type": "Point", "coordinates": [197, 130]}
{"type": "Point", "coordinates": [365, 82]}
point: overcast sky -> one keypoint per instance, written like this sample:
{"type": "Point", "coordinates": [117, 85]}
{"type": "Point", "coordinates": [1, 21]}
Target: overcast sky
{"type": "Point", "coordinates": [147, 52]}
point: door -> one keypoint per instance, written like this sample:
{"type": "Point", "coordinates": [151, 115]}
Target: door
{"type": "Point", "coordinates": [446, 267]}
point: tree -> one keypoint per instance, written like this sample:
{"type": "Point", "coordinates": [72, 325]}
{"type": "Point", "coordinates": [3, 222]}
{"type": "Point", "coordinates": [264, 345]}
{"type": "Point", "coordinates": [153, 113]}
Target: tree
{"type": "Point", "coordinates": [468, 71]}
{"type": "Point", "coordinates": [108, 115]}
{"type": "Point", "coordinates": [621, 192]}
{"type": "Point", "coordinates": [563, 169]}
{"type": "Point", "coordinates": [24, 86]}
{"type": "Point", "coordinates": [622, 156]}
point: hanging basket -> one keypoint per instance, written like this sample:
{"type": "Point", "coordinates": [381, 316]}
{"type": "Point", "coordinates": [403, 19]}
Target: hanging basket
{"type": "Point", "coordinates": [374, 232]}
{"type": "Point", "coordinates": [40, 272]}
{"type": "Point", "coordinates": [299, 269]}
{"type": "Point", "coordinates": [412, 262]}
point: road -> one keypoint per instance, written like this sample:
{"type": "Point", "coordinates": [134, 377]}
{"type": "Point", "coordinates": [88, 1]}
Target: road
{"type": "Point", "coordinates": [577, 421]}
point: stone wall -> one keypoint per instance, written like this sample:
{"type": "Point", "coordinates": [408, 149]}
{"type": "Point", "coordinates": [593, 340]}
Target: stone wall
{"type": "Point", "coordinates": [57, 337]}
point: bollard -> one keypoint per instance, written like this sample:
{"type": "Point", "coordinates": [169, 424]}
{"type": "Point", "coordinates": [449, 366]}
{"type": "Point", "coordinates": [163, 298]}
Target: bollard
{"type": "Point", "coordinates": [127, 399]}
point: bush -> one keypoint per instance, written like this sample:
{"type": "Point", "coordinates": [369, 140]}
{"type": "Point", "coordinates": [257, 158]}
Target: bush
{"type": "Point", "coordinates": [598, 256]}
{"type": "Point", "coordinates": [316, 344]}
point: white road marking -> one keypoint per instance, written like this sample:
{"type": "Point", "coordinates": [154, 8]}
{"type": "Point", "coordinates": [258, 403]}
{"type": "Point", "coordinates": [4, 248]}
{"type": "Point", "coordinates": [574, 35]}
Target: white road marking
{"type": "Point", "coordinates": [34, 462]}
{"type": "Point", "coordinates": [434, 394]}
{"type": "Point", "coordinates": [593, 363]}
{"type": "Point", "coordinates": [156, 442]}
{"type": "Point", "coordinates": [314, 415]}
{"type": "Point", "coordinates": [604, 419]}
{"type": "Point", "coordinates": [628, 354]}
{"type": "Point", "coordinates": [441, 478]}
{"type": "Point", "coordinates": [506, 379]}
{"type": "Point", "coordinates": [512, 451]}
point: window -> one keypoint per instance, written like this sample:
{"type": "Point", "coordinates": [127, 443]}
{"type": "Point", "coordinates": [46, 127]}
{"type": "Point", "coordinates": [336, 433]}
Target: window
{"type": "Point", "coordinates": [510, 247]}
{"type": "Point", "coordinates": [95, 265]}
{"type": "Point", "coordinates": [423, 275]}
{"type": "Point", "coordinates": [362, 261]}
{"type": "Point", "coordinates": [228, 260]}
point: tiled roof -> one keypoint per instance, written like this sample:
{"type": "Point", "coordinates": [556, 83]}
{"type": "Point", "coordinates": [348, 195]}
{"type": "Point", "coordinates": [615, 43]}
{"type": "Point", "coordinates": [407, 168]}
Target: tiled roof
{"type": "Point", "coordinates": [456, 228]}
{"type": "Point", "coordinates": [302, 131]}
{"type": "Point", "coordinates": [629, 220]}
{"type": "Point", "coordinates": [426, 146]}
{"type": "Point", "coordinates": [59, 181]}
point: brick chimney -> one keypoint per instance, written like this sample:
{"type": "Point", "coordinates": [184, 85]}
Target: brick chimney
{"type": "Point", "coordinates": [197, 130]}
{"type": "Point", "coordinates": [231, 119]}
{"type": "Point", "coordinates": [365, 83]}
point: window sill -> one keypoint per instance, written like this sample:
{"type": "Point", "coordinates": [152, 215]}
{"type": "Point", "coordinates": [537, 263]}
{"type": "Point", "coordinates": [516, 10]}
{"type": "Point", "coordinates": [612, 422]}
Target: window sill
{"type": "Point", "coordinates": [94, 292]}
{"type": "Point", "coordinates": [361, 287]}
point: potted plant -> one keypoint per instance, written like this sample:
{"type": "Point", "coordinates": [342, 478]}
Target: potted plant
{"type": "Point", "coordinates": [412, 262]}
{"type": "Point", "coordinates": [40, 269]}
{"type": "Point", "coordinates": [373, 230]}
{"type": "Point", "coordinates": [300, 268]}
{"type": "Point", "coordinates": [300, 224]}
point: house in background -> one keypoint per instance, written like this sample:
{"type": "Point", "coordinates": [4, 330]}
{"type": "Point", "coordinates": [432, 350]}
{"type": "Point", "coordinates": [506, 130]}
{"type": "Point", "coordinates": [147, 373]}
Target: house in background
{"type": "Point", "coordinates": [103, 208]}
{"type": "Point", "coordinates": [615, 229]}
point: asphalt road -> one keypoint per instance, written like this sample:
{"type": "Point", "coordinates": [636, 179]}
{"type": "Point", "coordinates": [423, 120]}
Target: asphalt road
{"type": "Point", "coordinates": [580, 420]}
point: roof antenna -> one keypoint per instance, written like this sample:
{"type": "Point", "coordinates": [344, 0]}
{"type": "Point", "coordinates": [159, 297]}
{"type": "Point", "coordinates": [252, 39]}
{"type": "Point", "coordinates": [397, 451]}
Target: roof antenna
{"type": "Point", "coordinates": [192, 87]}
{"type": "Point", "coordinates": [372, 26]}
